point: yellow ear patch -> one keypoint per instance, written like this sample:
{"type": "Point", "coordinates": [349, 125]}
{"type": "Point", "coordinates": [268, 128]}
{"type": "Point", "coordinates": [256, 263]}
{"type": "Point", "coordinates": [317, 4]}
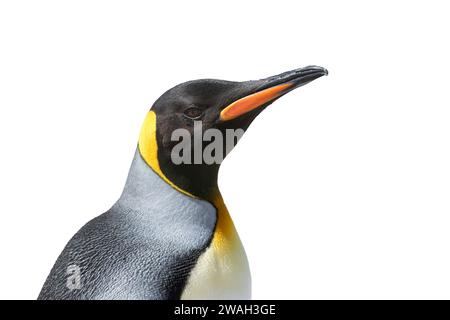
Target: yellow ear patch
{"type": "Point", "coordinates": [148, 147]}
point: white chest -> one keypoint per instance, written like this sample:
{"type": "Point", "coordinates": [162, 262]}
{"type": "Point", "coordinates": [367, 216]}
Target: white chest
{"type": "Point", "coordinates": [220, 275]}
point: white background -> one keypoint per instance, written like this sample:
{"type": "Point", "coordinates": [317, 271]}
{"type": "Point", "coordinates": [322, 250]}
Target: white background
{"type": "Point", "coordinates": [341, 189]}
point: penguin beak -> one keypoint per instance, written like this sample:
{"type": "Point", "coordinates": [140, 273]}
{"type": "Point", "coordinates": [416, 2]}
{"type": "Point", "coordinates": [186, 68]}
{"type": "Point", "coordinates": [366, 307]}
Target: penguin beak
{"type": "Point", "coordinates": [270, 89]}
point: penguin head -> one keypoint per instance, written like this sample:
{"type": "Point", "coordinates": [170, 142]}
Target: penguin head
{"type": "Point", "coordinates": [195, 124]}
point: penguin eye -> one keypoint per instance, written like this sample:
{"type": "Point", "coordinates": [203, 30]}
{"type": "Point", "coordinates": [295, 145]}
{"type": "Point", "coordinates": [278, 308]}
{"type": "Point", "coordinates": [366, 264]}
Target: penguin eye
{"type": "Point", "coordinates": [193, 113]}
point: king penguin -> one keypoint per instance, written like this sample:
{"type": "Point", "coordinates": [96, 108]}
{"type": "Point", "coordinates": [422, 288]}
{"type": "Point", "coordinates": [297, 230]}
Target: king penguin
{"type": "Point", "coordinates": [170, 236]}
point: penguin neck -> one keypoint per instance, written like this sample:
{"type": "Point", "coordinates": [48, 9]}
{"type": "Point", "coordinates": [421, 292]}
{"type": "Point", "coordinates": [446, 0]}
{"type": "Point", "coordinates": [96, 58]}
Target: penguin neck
{"type": "Point", "coordinates": [199, 181]}
{"type": "Point", "coordinates": [145, 188]}
{"type": "Point", "coordinates": [195, 184]}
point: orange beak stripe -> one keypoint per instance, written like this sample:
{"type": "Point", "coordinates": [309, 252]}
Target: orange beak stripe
{"type": "Point", "coordinates": [253, 101]}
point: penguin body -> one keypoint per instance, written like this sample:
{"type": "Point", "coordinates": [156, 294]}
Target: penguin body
{"type": "Point", "coordinates": [170, 236]}
{"type": "Point", "coordinates": [144, 247]}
